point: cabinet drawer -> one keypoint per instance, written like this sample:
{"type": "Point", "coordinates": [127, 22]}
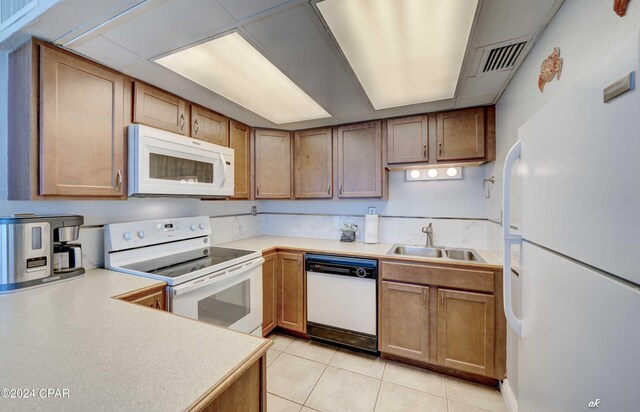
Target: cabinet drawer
{"type": "Point", "coordinates": [446, 276]}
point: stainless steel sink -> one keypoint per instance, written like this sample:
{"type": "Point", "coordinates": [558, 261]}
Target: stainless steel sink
{"type": "Point", "coordinates": [468, 255]}
{"type": "Point", "coordinates": [462, 254]}
{"type": "Point", "coordinates": [430, 252]}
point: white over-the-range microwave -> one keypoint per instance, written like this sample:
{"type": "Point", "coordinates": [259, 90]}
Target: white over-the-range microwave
{"type": "Point", "coordinates": [162, 163]}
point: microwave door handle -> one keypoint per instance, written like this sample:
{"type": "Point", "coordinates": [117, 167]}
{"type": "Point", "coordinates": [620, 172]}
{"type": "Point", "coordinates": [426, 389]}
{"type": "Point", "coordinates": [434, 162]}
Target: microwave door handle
{"type": "Point", "coordinates": [224, 169]}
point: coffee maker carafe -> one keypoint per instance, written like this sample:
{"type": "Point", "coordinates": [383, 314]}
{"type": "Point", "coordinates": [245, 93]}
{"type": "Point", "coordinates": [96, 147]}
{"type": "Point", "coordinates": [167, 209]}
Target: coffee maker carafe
{"type": "Point", "coordinates": [36, 250]}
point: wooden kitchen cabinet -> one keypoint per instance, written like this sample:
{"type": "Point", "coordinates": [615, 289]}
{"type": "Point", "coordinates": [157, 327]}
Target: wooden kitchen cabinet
{"type": "Point", "coordinates": [209, 126]}
{"type": "Point", "coordinates": [460, 135]}
{"type": "Point", "coordinates": [466, 331]}
{"type": "Point", "coordinates": [67, 120]}
{"type": "Point", "coordinates": [404, 320]}
{"type": "Point", "coordinates": [313, 164]}
{"type": "Point", "coordinates": [273, 164]}
{"type": "Point", "coordinates": [240, 142]}
{"type": "Point", "coordinates": [359, 160]}
{"type": "Point", "coordinates": [444, 316]}
{"type": "Point", "coordinates": [154, 297]}
{"type": "Point", "coordinates": [269, 293]}
{"type": "Point", "coordinates": [408, 140]}
{"type": "Point", "coordinates": [157, 108]}
{"type": "Point", "coordinates": [291, 292]}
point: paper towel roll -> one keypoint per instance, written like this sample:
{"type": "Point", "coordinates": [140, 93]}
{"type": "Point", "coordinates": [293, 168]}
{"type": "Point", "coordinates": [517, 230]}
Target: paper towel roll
{"type": "Point", "coordinates": [371, 229]}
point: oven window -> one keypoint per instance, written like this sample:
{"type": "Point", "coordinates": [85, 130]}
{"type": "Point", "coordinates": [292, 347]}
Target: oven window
{"type": "Point", "coordinates": [177, 169]}
{"type": "Point", "coordinates": [227, 306]}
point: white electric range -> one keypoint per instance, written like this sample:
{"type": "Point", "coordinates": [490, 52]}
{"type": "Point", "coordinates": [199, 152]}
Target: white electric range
{"type": "Point", "coordinates": [221, 286]}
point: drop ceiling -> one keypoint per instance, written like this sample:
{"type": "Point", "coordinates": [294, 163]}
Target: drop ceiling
{"type": "Point", "coordinates": [292, 35]}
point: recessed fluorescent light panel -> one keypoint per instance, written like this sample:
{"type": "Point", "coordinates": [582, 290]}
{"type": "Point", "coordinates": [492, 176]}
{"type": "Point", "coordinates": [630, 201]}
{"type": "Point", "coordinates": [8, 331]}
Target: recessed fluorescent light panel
{"type": "Point", "coordinates": [233, 68]}
{"type": "Point", "coordinates": [402, 51]}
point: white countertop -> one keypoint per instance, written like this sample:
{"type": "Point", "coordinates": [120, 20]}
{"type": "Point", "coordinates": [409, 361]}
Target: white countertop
{"type": "Point", "coordinates": [110, 354]}
{"type": "Point", "coordinates": [376, 250]}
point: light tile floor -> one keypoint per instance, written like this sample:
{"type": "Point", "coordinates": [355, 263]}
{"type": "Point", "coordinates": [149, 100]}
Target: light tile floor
{"type": "Point", "coordinates": [309, 376]}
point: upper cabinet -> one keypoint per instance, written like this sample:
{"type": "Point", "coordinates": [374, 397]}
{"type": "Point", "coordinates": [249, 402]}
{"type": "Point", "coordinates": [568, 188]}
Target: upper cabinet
{"type": "Point", "coordinates": [209, 126]}
{"type": "Point", "coordinates": [313, 175]}
{"type": "Point", "coordinates": [460, 135]}
{"type": "Point", "coordinates": [273, 164]}
{"type": "Point", "coordinates": [160, 109]}
{"type": "Point", "coordinates": [240, 142]}
{"type": "Point", "coordinates": [458, 138]}
{"type": "Point", "coordinates": [67, 126]}
{"type": "Point", "coordinates": [407, 140]}
{"type": "Point", "coordinates": [359, 160]}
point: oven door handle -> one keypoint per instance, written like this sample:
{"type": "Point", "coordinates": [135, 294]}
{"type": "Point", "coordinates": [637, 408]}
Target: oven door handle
{"type": "Point", "coordinates": [209, 279]}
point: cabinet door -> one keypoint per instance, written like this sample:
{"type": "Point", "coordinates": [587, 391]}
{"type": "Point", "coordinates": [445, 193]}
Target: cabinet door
{"type": "Point", "coordinates": [313, 164]}
{"type": "Point", "coordinates": [291, 294]}
{"type": "Point", "coordinates": [273, 164]}
{"type": "Point", "coordinates": [466, 331]}
{"type": "Point", "coordinates": [404, 320]}
{"type": "Point", "coordinates": [156, 108]}
{"type": "Point", "coordinates": [269, 294]}
{"type": "Point", "coordinates": [460, 135]}
{"type": "Point", "coordinates": [407, 140]}
{"type": "Point", "coordinates": [209, 126]}
{"type": "Point", "coordinates": [82, 132]}
{"type": "Point", "coordinates": [240, 142]}
{"type": "Point", "coordinates": [360, 160]}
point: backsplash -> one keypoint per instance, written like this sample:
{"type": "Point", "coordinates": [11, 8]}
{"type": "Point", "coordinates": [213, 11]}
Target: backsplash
{"type": "Point", "coordinates": [472, 233]}
{"type": "Point", "coordinates": [446, 232]}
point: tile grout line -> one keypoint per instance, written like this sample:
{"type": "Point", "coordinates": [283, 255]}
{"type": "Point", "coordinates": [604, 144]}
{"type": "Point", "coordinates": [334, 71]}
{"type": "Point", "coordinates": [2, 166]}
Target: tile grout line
{"type": "Point", "coordinates": [314, 386]}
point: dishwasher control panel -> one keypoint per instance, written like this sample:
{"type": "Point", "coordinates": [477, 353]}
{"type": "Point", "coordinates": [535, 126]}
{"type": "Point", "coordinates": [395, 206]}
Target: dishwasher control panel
{"type": "Point", "coordinates": [342, 266]}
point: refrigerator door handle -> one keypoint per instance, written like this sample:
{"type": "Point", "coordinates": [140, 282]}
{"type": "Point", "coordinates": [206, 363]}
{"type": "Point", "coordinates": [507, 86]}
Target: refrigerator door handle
{"type": "Point", "coordinates": [509, 239]}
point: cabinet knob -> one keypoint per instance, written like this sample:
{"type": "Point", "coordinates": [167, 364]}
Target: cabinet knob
{"type": "Point", "coordinates": [118, 180]}
{"type": "Point", "coordinates": [158, 305]}
{"type": "Point", "coordinates": [182, 121]}
{"type": "Point", "coordinates": [195, 127]}
{"type": "Point", "coordinates": [424, 151]}
{"type": "Point", "coordinates": [257, 190]}
{"type": "Point", "coordinates": [329, 189]}
{"type": "Point", "coordinates": [439, 148]}
{"type": "Point", "coordinates": [340, 189]}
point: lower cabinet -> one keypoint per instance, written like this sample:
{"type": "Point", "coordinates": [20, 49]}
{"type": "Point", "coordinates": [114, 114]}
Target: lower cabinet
{"type": "Point", "coordinates": [425, 317]}
{"type": "Point", "coordinates": [404, 320]}
{"type": "Point", "coordinates": [269, 293]}
{"type": "Point", "coordinates": [154, 297]}
{"type": "Point", "coordinates": [466, 331]}
{"type": "Point", "coordinates": [291, 292]}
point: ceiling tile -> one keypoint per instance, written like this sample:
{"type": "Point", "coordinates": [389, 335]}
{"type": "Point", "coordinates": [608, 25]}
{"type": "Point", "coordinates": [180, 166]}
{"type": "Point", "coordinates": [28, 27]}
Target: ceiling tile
{"type": "Point", "coordinates": [302, 51]}
{"type": "Point", "coordinates": [168, 26]}
{"type": "Point", "coordinates": [241, 9]}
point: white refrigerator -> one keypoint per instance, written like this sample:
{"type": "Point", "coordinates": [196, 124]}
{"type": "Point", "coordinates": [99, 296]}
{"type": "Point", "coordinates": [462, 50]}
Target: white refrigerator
{"type": "Point", "coordinates": [578, 171]}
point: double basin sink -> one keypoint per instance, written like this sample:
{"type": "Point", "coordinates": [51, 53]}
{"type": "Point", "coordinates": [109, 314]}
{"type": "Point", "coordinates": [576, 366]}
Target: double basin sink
{"type": "Point", "coordinates": [468, 255]}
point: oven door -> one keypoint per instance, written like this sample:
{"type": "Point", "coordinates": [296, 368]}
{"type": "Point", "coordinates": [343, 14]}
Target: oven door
{"type": "Point", "coordinates": [164, 163]}
{"type": "Point", "coordinates": [231, 298]}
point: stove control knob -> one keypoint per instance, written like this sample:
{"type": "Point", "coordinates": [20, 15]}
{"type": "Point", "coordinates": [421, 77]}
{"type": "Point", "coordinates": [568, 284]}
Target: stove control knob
{"type": "Point", "coordinates": [202, 226]}
{"type": "Point", "coordinates": [141, 234]}
{"type": "Point", "coordinates": [127, 236]}
{"type": "Point", "coordinates": [360, 272]}
{"type": "Point", "coordinates": [193, 228]}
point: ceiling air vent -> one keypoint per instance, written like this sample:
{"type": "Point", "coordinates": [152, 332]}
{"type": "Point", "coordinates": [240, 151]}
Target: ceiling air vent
{"type": "Point", "coordinates": [12, 10]}
{"type": "Point", "coordinates": [503, 58]}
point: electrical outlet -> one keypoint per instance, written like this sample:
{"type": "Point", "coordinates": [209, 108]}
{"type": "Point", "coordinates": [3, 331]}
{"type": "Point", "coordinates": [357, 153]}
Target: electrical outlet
{"type": "Point", "coordinates": [372, 210]}
{"type": "Point", "coordinates": [254, 210]}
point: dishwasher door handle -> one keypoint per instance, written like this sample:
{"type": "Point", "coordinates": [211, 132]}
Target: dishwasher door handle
{"type": "Point", "coordinates": [316, 267]}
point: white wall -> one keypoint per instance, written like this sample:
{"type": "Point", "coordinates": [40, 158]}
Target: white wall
{"type": "Point", "coordinates": [584, 30]}
{"type": "Point", "coordinates": [437, 198]}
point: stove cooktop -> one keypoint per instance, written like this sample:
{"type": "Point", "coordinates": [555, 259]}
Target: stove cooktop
{"type": "Point", "coordinates": [180, 264]}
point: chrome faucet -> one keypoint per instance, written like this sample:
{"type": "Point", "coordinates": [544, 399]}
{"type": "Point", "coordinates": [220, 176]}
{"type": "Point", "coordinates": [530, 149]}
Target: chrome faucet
{"type": "Point", "coordinates": [428, 230]}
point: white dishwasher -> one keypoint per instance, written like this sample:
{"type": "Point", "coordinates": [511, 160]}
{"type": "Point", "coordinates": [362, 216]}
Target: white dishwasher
{"type": "Point", "coordinates": [342, 296]}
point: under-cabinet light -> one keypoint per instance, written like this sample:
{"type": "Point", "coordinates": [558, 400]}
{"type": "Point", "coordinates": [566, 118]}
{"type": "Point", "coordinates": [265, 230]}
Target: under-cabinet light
{"type": "Point", "coordinates": [402, 51]}
{"type": "Point", "coordinates": [433, 174]}
{"type": "Point", "coordinates": [233, 68]}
